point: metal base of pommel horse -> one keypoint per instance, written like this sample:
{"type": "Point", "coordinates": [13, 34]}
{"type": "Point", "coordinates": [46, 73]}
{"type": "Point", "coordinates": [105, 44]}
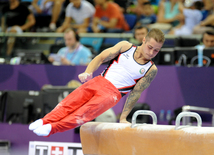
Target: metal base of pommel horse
{"type": "Point", "coordinates": [147, 139]}
{"type": "Point", "coordinates": [186, 108]}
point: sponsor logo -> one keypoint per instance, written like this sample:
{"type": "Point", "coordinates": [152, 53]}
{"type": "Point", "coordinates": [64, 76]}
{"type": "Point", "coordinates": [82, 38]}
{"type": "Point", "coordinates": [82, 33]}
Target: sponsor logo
{"type": "Point", "coordinates": [127, 56]}
{"type": "Point", "coordinates": [56, 150]}
{"type": "Point", "coordinates": [41, 150]}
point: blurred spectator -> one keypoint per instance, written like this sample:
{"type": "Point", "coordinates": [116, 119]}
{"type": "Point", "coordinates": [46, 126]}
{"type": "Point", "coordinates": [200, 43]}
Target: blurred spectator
{"type": "Point", "coordinates": [207, 23]}
{"type": "Point", "coordinates": [123, 4]}
{"type": "Point", "coordinates": [91, 1]}
{"type": "Point", "coordinates": [147, 15]}
{"type": "Point", "coordinates": [80, 12]}
{"type": "Point", "coordinates": [16, 19]}
{"type": "Point", "coordinates": [74, 53]}
{"type": "Point", "coordinates": [139, 33]}
{"type": "Point", "coordinates": [138, 8]}
{"type": "Point", "coordinates": [207, 42]}
{"type": "Point", "coordinates": [168, 15]}
{"type": "Point", "coordinates": [192, 17]}
{"type": "Point", "coordinates": [47, 7]}
{"type": "Point", "coordinates": [108, 17]}
{"type": "Point", "coordinates": [208, 4]}
{"type": "Point", "coordinates": [207, 39]}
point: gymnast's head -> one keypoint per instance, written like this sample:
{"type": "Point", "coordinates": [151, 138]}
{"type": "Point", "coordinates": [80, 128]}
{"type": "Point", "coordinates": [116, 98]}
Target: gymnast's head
{"type": "Point", "coordinates": [155, 34]}
{"type": "Point", "coordinates": [152, 43]}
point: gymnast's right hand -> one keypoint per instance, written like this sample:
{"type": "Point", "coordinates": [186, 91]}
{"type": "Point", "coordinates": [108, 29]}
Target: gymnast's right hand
{"type": "Point", "coordinates": [85, 77]}
{"type": "Point", "coordinates": [124, 121]}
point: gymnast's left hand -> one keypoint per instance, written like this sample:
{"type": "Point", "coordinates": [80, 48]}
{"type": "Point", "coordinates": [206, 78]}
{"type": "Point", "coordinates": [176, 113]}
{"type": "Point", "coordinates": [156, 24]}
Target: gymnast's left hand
{"type": "Point", "coordinates": [84, 77]}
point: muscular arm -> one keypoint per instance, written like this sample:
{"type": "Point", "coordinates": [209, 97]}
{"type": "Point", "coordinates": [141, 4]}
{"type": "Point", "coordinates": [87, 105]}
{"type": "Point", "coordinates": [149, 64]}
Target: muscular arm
{"type": "Point", "coordinates": [135, 94]}
{"type": "Point", "coordinates": [106, 55]}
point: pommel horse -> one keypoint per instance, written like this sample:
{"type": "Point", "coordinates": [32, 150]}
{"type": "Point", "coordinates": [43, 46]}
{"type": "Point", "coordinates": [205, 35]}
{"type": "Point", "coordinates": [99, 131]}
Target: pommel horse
{"type": "Point", "coordinates": [147, 139]}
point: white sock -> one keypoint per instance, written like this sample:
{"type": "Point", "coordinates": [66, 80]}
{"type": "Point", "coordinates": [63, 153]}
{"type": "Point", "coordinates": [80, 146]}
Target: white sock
{"type": "Point", "coordinates": [36, 124]}
{"type": "Point", "coordinates": [43, 130]}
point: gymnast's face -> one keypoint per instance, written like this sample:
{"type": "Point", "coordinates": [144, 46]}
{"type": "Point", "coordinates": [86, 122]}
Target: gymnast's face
{"type": "Point", "coordinates": [150, 48]}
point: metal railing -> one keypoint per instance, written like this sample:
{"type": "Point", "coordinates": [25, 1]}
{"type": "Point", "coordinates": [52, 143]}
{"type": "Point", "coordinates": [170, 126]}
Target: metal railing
{"type": "Point", "coordinates": [186, 120]}
{"type": "Point", "coordinates": [96, 35]}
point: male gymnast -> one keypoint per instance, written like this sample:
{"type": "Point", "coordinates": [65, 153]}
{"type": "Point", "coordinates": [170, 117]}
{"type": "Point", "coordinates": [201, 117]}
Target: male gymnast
{"type": "Point", "coordinates": [130, 70]}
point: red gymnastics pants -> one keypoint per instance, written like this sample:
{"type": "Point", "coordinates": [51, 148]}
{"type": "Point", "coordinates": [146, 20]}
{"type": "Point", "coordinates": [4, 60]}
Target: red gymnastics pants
{"type": "Point", "coordinates": [83, 104]}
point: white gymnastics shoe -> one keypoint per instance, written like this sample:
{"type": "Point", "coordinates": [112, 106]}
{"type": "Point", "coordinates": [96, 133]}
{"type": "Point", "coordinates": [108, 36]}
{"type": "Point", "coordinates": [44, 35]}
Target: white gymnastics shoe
{"type": "Point", "coordinates": [36, 124]}
{"type": "Point", "coordinates": [43, 130]}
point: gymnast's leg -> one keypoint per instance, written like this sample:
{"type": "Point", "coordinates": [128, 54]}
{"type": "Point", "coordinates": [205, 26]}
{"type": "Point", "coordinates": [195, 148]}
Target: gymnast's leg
{"type": "Point", "coordinates": [99, 103]}
{"type": "Point", "coordinates": [69, 104]}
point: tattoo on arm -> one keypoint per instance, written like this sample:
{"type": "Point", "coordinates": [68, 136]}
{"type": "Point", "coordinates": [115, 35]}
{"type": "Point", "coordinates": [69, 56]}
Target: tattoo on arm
{"type": "Point", "coordinates": [146, 81]}
{"type": "Point", "coordinates": [131, 100]}
{"type": "Point", "coordinates": [138, 89]}
{"type": "Point", "coordinates": [112, 55]}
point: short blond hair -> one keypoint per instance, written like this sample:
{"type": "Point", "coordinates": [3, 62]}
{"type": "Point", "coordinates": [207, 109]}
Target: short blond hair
{"type": "Point", "coordinates": [156, 34]}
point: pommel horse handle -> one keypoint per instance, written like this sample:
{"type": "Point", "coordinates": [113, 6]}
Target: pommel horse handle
{"type": "Point", "coordinates": [187, 114]}
{"type": "Point", "coordinates": [143, 112]}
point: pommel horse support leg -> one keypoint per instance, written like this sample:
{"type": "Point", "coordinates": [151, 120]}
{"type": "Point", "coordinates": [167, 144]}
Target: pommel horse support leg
{"type": "Point", "coordinates": [147, 139]}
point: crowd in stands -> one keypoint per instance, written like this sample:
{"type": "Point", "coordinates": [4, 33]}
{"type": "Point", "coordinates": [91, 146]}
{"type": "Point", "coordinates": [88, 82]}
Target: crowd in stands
{"type": "Point", "coordinates": [109, 15]}
{"type": "Point", "coordinates": [176, 17]}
